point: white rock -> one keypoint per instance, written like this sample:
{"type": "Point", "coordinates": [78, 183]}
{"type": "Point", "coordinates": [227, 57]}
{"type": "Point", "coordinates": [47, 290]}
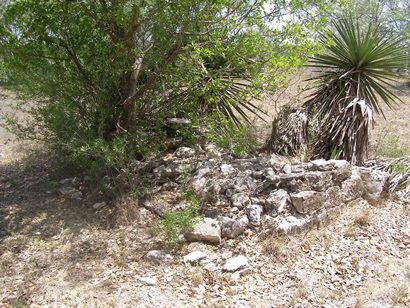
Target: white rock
{"type": "Point", "coordinates": [227, 170]}
{"type": "Point", "coordinates": [232, 228]}
{"type": "Point", "coordinates": [158, 256]}
{"type": "Point", "coordinates": [375, 183]}
{"type": "Point", "coordinates": [67, 190]}
{"type": "Point", "coordinates": [235, 263]}
{"type": "Point", "coordinates": [69, 181]}
{"type": "Point", "coordinates": [286, 168]}
{"type": "Point", "coordinates": [353, 187]}
{"type": "Point", "coordinates": [213, 151]}
{"type": "Point", "coordinates": [210, 267]}
{"type": "Point", "coordinates": [307, 201]}
{"type": "Point", "coordinates": [71, 193]}
{"type": "Point", "coordinates": [99, 205]}
{"type": "Point", "coordinates": [235, 276]}
{"type": "Point", "coordinates": [150, 281]}
{"type": "Point", "coordinates": [268, 172]}
{"type": "Point", "coordinates": [206, 230]}
{"type": "Point", "coordinates": [171, 171]}
{"type": "Point", "coordinates": [277, 202]}
{"type": "Point", "coordinates": [194, 256]}
{"type": "Point", "coordinates": [292, 224]}
{"type": "Point", "coordinates": [202, 172]}
{"type": "Point", "coordinates": [239, 226]}
{"type": "Point", "coordinates": [257, 174]}
{"type": "Point", "coordinates": [321, 165]}
{"type": "Point", "coordinates": [184, 152]}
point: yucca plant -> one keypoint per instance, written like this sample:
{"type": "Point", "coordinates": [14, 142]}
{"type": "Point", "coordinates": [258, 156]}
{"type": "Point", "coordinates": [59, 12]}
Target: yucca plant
{"type": "Point", "coordinates": [289, 134]}
{"type": "Point", "coordinates": [356, 77]}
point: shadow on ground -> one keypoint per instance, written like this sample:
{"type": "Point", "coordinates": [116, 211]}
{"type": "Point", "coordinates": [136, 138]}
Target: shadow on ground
{"type": "Point", "coordinates": [49, 240]}
{"type": "Point", "coordinates": [31, 205]}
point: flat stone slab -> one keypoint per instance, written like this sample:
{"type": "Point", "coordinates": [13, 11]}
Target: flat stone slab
{"type": "Point", "coordinates": [207, 230]}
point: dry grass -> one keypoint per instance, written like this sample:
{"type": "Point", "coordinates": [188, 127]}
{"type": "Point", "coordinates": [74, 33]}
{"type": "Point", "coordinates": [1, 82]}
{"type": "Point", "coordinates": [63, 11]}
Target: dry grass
{"type": "Point", "coordinates": [299, 295]}
{"type": "Point", "coordinates": [351, 232]}
{"type": "Point", "coordinates": [362, 220]}
{"type": "Point", "coordinates": [406, 209]}
{"type": "Point", "coordinates": [389, 138]}
{"type": "Point", "coordinates": [275, 247]}
{"type": "Point", "coordinates": [400, 295]}
{"type": "Point", "coordinates": [197, 278]}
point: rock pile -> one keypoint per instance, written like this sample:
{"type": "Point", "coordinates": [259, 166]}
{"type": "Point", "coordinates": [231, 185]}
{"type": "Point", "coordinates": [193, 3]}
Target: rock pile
{"type": "Point", "coordinates": [266, 191]}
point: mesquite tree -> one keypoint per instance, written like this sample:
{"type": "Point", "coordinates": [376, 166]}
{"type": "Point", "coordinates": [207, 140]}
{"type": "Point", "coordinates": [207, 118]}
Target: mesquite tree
{"type": "Point", "coordinates": [105, 74]}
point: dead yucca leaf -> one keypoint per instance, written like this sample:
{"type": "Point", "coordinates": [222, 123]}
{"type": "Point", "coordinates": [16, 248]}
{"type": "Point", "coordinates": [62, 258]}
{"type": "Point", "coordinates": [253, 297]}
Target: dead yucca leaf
{"type": "Point", "coordinates": [289, 132]}
{"type": "Point", "coordinates": [345, 135]}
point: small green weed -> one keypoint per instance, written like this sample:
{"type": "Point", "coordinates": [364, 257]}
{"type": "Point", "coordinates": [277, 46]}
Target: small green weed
{"type": "Point", "coordinates": [177, 222]}
{"type": "Point", "coordinates": [399, 167]}
{"type": "Point", "coordinates": [336, 153]}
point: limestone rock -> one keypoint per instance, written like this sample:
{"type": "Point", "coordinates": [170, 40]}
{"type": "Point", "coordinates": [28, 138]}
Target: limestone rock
{"type": "Point", "coordinates": [268, 172]}
{"type": "Point", "coordinates": [240, 200]}
{"type": "Point", "coordinates": [342, 172]}
{"type": "Point", "coordinates": [277, 202]}
{"type": "Point", "coordinates": [353, 187]}
{"type": "Point", "coordinates": [232, 228]}
{"type": "Point", "coordinates": [321, 165]}
{"type": "Point", "coordinates": [184, 152]}
{"type": "Point", "coordinates": [254, 212]}
{"type": "Point", "coordinates": [99, 205]}
{"type": "Point", "coordinates": [333, 197]}
{"type": "Point", "coordinates": [226, 225]}
{"type": "Point", "coordinates": [227, 170]}
{"type": "Point", "coordinates": [235, 263]}
{"type": "Point", "coordinates": [171, 171]}
{"type": "Point", "coordinates": [213, 151]}
{"type": "Point", "coordinates": [292, 224]}
{"type": "Point", "coordinates": [286, 168]}
{"type": "Point", "coordinates": [375, 184]}
{"type": "Point", "coordinates": [69, 181]}
{"type": "Point", "coordinates": [307, 201]}
{"type": "Point", "coordinates": [158, 256]}
{"type": "Point", "coordinates": [71, 193]}
{"type": "Point", "coordinates": [149, 281]}
{"type": "Point", "coordinates": [207, 230]}
{"type": "Point", "coordinates": [194, 256]}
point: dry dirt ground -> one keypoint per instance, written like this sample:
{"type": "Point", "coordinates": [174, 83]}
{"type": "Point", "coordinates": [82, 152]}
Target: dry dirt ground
{"type": "Point", "coordinates": [57, 252]}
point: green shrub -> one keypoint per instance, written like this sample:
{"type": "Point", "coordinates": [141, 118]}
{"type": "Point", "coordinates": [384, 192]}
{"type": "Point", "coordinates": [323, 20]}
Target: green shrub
{"type": "Point", "coordinates": [106, 70]}
{"type": "Point", "coordinates": [175, 223]}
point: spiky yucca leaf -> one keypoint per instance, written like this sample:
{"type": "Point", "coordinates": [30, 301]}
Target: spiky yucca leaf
{"type": "Point", "coordinates": [229, 95]}
{"type": "Point", "coordinates": [359, 63]}
{"type": "Point", "coordinates": [357, 67]}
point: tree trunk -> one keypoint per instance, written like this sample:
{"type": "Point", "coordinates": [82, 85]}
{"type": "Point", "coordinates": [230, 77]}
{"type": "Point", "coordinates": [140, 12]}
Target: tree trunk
{"type": "Point", "coordinates": [127, 121]}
